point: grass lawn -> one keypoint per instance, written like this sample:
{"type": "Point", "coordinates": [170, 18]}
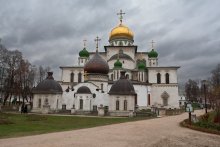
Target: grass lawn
{"type": "Point", "coordinates": [13, 125]}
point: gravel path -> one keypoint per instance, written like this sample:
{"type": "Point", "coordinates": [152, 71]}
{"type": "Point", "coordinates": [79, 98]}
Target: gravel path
{"type": "Point", "coordinates": [161, 132]}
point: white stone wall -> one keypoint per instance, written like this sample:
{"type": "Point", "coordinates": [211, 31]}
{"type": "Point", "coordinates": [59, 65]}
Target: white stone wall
{"type": "Point", "coordinates": [130, 102]}
{"type": "Point", "coordinates": [152, 74]}
{"type": "Point", "coordinates": [115, 50]}
{"type": "Point", "coordinates": [101, 98]}
{"type": "Point", "coordinates": [53, 101]}
{"type": "Point", "coordinates": [127, 64]}
{"type": "Point", "coordinates": [65, 76]}
{"type": "Point", "coordinates": [142, 95]}
{"type": "Point", "coordinates": [172, 90]}
{"type": "Point", "coordinates": [88, 101]}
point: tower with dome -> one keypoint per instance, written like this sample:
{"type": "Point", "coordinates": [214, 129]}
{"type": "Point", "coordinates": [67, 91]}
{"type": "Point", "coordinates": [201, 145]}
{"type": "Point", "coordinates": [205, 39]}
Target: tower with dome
{"type": "Point", "coordinates": [119, 79]}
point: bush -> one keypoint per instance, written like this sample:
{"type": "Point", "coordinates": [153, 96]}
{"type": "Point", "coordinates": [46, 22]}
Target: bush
{"type": "Point", "coordinates": [208, 125]}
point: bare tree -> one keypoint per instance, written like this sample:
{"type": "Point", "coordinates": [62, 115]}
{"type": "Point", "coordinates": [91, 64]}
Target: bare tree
{"type": "Point", "coordinates": [192, 90]}
{"type": "Point", "coordinates": [215, 83]}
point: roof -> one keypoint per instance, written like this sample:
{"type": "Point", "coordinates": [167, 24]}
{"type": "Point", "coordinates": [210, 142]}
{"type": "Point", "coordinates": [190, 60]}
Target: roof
{"type": "Point", "coordinates": [122, 87]}
{"type": "Point", "coordinates": [83, 90]}
{"type": "Point", "coordinates": [48, 86]}
{"type": "Point", "coordinates": [96, 65]}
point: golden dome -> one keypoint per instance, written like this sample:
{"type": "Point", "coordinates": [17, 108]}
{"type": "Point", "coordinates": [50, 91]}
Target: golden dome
{"type": "Point", "coordinates": [121, 31]}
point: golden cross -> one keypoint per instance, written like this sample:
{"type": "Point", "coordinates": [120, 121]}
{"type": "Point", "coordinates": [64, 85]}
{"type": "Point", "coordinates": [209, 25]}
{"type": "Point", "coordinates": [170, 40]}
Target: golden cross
{"type": "Point", "coordinates": [152, 42]}
{"type": "Point", "coordinates": [120, 16]}
{"type": "Point", "coordinates": [97, 39]}
{"type": "Point", "coordinates": [84, 43]}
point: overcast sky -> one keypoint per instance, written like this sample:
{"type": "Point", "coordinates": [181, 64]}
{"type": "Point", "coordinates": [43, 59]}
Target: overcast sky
{"type": "Point", "coordinates": [50, 32]}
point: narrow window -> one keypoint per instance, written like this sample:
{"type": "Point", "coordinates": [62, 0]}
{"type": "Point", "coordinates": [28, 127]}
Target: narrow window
{"type": "Point", "coordinates": [158, 78]}
{"type": "Point", "coordinates": [148, 99]}
{"type": "Point", "coordinates": [80, 104]}
{"type": "Point", "coordinates": [63, 107]}
{"type": "Point", "coordinates": [72, 77]}
{"type": "Point", "coordinates": [94, 108]}
{"type": "Point", "coordinates": [39, 103]}
{"type": "Point", "coordinates": [167, 77]}
{"type": "Point", "coordinates": [125, 104]}
{"type": "Point", "coordinates": [79, 77]}
{"type": "Point", "coordinates": [46, 101]}
{"type": "Point", "coordinates": [117, 105]}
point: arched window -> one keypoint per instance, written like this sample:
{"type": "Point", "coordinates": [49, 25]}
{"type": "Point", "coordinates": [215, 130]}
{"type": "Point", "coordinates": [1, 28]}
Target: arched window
{"type": "Point", "coordinates": [127, 76]}
{"type": "Point", "coordinates": [72, 77]}
{"type": "Point", "coordinates": [167, 77]}
{"type": "Point", "coordinates": [117, 104]}
{"type": "Point", "coordinates": [39, 103]}
{"type": "Point", "coordinates": [79, 77]}
{"type": "Point", "coordinates": [125, 105]}
{"type": "Point", "coordinates": [158, 78]}
{"type": "Point", "coordinates": [80, 104]}
{"type": "Point", "coordinates": [46, 101]}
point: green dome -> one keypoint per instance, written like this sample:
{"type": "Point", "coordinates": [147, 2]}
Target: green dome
{"type": "Point", "coordinates": [84, 53]}
{"type": "Point", "coordinates": [153, 54]}
{"type": "Point", "coordinates": [118, 64]}
{"type": "Point", "coordinates": [141, 66]}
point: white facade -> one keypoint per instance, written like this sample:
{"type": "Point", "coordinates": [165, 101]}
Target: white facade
{"type": "Point", "coordinates": [154, 85]}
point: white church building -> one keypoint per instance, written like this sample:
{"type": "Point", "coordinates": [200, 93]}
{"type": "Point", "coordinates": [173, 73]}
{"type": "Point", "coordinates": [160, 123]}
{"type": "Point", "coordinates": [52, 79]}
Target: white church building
{"type": "Point", "coordinates": [118, 80]}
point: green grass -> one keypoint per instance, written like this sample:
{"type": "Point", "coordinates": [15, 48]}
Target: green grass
{"type": "Point", "coordinates": [23, 125]}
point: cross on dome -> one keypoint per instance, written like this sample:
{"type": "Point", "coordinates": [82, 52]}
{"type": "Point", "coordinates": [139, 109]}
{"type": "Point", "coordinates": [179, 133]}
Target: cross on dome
{"type": "Point", "coordinates": [97, 39]}
{"type": "Point", "coordinates": [120, 16]}
{"type": "Point", "coordinates": [84, 43]}
{"type": "Point", "coordinates": [152, 43]}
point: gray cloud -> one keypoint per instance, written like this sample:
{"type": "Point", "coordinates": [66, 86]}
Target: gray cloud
{"type": "Point", "coordinates": [50, 32]}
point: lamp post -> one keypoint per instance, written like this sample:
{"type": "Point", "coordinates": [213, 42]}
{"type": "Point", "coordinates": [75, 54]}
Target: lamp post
{"type": "Point", "coordinates": [204, 82]}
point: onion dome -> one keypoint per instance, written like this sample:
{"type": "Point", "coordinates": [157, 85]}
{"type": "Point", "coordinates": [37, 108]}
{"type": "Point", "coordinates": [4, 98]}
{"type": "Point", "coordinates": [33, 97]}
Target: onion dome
{"type": "Point", "coordinates": [153, 54]}
{"type": "Point", "coordinates": [141, 66]}
{"type": "Point", "coordinates": [96, 65]}
{"type": "Point", "coordinates": [118, 64]}
{"type": "Point", "coordinates": [84, 53]}
{"type": "Point", "coordinates": [83, 90]}
{"type": "Point", "coordinates": [122, 87]}
{"type": "Point", "coordinates": [121, 31]}
{"type": "Point", "coordinates": [48, 86]}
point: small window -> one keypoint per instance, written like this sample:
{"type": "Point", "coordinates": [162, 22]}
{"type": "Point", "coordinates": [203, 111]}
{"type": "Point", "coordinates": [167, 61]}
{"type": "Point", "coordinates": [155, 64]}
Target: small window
{"type": "Point", "coordinates": [167, 77]}
{"type": "Point", "coordinates": [72, 77]}
{"type": "Point", "coordinates": [158, 78]}
{"type": "Point", "coordinates": [94, 108]}
{"type": "Point", "coordinates": [125, 105]}
{"type": "Point", "coordinates": [79, 77]}
{"type": "Point", "coordinates": [39, 103]}
{"type": "Point", "coordinates": [117, 104]}
{"type": "Point", "coordinates": [63, 107]}
{"type": "Point", "coordinates": [46, 101]}
{"type": "Point", "coordinates": [80, 104]}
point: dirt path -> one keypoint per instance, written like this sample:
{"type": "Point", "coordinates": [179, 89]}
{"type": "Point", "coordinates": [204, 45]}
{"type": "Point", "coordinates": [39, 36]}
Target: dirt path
{"type": "Point", "coordinates": [161, 132]}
